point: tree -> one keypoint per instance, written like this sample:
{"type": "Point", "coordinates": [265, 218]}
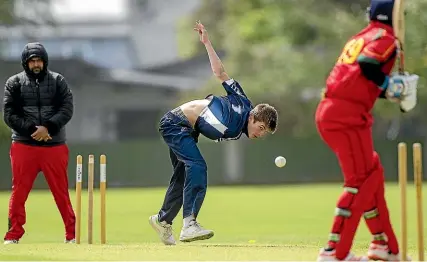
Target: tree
{"type": "Point", "coordinates": [6, 12]}
{"type": "Point", "coordinates": [282, 51]}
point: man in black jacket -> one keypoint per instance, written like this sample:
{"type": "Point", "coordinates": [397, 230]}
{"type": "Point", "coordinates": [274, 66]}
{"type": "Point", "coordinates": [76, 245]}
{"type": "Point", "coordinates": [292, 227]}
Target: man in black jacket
{"type": "Point", "coordinates": [37, 106]}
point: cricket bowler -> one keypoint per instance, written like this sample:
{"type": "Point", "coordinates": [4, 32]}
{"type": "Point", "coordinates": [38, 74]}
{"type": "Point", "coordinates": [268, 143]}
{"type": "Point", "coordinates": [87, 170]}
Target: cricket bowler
{"type": "Point", "coordinates": [218, 118]}
{"type": "Point", "coordinates": [344, 120]}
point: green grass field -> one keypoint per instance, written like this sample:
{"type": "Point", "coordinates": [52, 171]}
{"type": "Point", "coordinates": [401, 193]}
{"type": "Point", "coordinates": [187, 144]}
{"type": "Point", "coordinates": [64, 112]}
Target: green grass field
{"type": "Point", "coordinates": [250, 223]}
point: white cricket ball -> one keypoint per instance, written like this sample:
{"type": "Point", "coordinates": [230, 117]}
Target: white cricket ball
{"type": "Point", "coordinates": [280, 161]}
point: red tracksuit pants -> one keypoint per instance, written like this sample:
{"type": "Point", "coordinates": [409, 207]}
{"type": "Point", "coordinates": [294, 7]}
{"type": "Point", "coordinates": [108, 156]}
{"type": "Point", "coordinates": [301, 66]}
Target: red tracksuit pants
{"type": "Point", "coordinates": [27, 161]}
{"type": "Point", "coordinates": [363, 182]}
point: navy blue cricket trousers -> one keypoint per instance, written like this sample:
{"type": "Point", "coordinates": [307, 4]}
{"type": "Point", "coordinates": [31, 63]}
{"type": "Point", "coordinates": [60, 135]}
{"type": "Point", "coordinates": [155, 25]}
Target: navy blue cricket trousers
{"type": "Point", "coordinates": [187, 187]}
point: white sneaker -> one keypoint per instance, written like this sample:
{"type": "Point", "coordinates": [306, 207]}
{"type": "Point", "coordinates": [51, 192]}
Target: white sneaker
{"type": "Point", "coordinates": [71, 241]}
{"type": "Point", "coordinates": [378, 252]}
{"type": "Point", "coordinates": [163, 229]}
{"type": "Point", "coordinates": [382, 252]}
{"type": "Point", "coordinates": [194, 231]}
{"type": "Point", "coordinates": [8, 242]}
{"type": "Point", "coordinates": [330, 256]}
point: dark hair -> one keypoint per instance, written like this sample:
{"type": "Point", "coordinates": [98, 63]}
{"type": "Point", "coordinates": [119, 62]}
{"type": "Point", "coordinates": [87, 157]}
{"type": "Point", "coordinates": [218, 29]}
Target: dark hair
{"type": "Point", "coordinates": [267, 114]}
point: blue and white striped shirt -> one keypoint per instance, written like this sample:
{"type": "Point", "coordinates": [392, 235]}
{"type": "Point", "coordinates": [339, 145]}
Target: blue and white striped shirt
{"type": "Point", "coordinates": [226, 117]}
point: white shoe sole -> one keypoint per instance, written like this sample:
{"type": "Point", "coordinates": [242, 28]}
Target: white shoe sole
{"type": "Point", "coordinates": [9, 243]}
{"type": "Point", "coordinates": [196, 238]}
{"type": "Point", "coordinates": [377, 257]}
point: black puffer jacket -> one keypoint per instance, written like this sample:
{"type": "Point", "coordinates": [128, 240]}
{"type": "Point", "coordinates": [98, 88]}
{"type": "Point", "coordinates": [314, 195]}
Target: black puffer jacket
{"type": "Point", "coordinates": [37, 99]}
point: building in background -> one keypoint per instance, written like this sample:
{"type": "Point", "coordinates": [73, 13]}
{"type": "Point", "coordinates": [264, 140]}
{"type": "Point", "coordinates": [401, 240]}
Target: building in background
{"type": "Point", "coordinates": [125, 71]}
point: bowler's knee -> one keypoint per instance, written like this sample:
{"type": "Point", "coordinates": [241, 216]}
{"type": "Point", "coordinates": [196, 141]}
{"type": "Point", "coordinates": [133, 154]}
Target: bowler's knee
{"type": "Point", "coordinates": [201, 167]}
{"type": "Point", "coordinates": [198, 171]}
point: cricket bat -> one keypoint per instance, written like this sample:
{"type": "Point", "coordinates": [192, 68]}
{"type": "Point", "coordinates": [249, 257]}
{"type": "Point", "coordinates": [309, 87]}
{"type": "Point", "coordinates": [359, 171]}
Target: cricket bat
{"type": "Point", "coordinates": [398, 17]}
{"type": "Point", "coordinates": [399, 31]}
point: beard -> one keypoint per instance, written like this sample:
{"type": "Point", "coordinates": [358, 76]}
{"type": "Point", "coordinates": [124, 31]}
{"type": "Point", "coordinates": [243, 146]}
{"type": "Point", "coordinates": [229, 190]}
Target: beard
{"type": "Point", "coordinates": [36, 70]}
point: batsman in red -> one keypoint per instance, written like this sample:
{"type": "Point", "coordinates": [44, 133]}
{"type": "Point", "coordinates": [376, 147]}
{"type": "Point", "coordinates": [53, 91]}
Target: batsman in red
{"type": "Point", "coordinates": [362, 74]}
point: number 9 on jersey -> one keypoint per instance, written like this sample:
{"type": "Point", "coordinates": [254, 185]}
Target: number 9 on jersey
{"type": "Point", "coordinates": [351, 51]}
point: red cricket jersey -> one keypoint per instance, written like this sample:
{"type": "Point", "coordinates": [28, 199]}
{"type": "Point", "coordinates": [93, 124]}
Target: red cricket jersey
{"type": "Point", "coordinates": [349, 94]}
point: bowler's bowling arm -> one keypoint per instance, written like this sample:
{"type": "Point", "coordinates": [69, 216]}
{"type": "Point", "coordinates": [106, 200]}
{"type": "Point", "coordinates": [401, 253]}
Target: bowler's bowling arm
{"type": "Point", "coordinates": [216, 64]}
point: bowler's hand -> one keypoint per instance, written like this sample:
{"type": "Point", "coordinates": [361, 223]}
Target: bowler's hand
{"type": "Point", "coordinates": [203, 34]}
{"type": "Point", "coordinates": [41, 134]}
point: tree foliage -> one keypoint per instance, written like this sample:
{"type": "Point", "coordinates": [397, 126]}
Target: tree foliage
{"type": "Point", "coordinates": [282, 51]}
{"type": "Point", "coordinates": [6, 12]}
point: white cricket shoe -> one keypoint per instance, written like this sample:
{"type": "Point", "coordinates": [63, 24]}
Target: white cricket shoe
{"type": "Point", "coordinates": [163, 229]}
{"type": "Point", "coordinates": [194, 231]}
{"type": "Point", "coordinates": [378, 252]}
{"type": "Point", "coordinates": [71, 241]}
{"type": "Point", "coordinates": [382, 252]}
{"type": "Point", "coordinates": [329, 255]}
{"type": "Point", "coordinates": [9, 242]}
